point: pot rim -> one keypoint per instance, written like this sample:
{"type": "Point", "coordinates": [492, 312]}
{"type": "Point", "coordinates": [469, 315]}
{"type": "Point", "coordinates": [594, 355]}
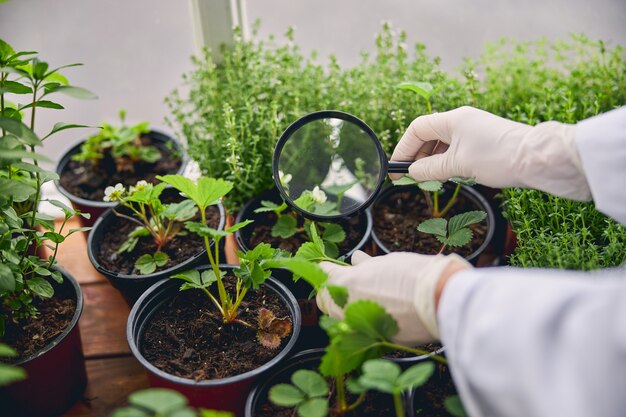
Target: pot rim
{"type": "Point", "coordinates": [469, 192]}
{"type": "Point", "coordinates": [73, 149]}
{"type": "Point", "coordinates": [274, 285]}
{"type": "Point", "coordinates": [369, 222]}
{"type": "Point", "coordinates": [73, 323]}
{"type": "Point", "coordinates": [108, 214]}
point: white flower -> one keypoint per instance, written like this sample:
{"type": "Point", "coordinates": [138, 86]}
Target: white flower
{"type": "Point", "coordinates": [284, 179]}
{"type": "Point", "coordinates": [114, 193]}
{"type": "Point", "coordinates": [141, 184]}
{"type": "Point", "coordinates": [318, 195]}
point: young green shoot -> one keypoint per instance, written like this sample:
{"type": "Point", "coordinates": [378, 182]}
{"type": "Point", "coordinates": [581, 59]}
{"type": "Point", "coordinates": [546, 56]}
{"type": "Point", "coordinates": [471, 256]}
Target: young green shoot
{"type": "Point", "coordinates": [454, 232]}
{"type": "Point", "coordinates": [308, 393]}
{"type": "Point", "coordinates": [162, 402]}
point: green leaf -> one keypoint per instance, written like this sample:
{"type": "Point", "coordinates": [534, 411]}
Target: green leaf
{"type": "Point", "coordinates": [237, 226]}
{"type": "Point", "coordinates": [430, 186]}
{"type": "Point", "coordinates": [7, 280]}
{"type": "Point", "coordinates": [464, 181]}
{"type": "Point", "coordinates": [194, 279]}
{"type": "Point", "coordinates": [460, 238]}
{"type": "Point", "coordinates": [315, 407]}
{"type": "Point", "coordinates": [338, 294]}
{"type": "Point", "coordinates": [285, 227]}
{"type": "Point", "coordinates": [10, 374]}
{"type": "Point", "coordinates": [14, 87]}
{"type": "Point", "coordinates": [285, 395]}
{"type": "Point", "coordinates": [161, 258]}
{"type": "Point", "coordinates": [204, 230]}
{"type": "Point", "coordinates": [131, 412]}
{"type": "Point", "coordinates": [454, 406]}
{"type": "Point", "coordinates": [20, 130]}
{"type": "Point", "coordinates": [54, 237]}
{"type": "Point", "coordinates": [311, 252]}
{"type": "Point", "coordinates": [339, 189]}
{"type": "Point", "coordinates": [147, 264]}
{"type": "Point", "coordinates": [180, 212]}
{"type": "Point", "coordinates": [415, 376]}
{"type": "Point", "coordinates": [76, 92]}
{"type": "Point", "coordinates": [310, 382]}
{"type": "Point", "coordinates": [271, 206]}
{"type": "Point", "coordinates": [6, 51]}
{"type": "Point", "coordinates": [62, 126]}
{"type": "Point", "coordinates": [158, 400]}
{"type": "Point", "coordinates": [5, 350]}
{"type": "Point", "coordinates": [43, 103]}
{"type": "Point", "coordinates": [436, 227]}
{"type": "Point", "coordinates": [465, 219]}
{"type": "Point", "coordinates": [311, 273]}
{"type": "Point", "coordinates": [41, 287]}
{"type": "Point", "coordinates": [204, 192]}
{"type": "Point", "coordinates": [381, 375]}
{"type": "Point", "coordinates": [23, 153]}
{"type": "Point", "coordinates": [333, 233]}
{"type": "Point", "coordinates": [371, 319]}
{"type": "Point", "coordinates": [405, 180]}
{"type": "Point", "coordinates": [354, 386]}
{"type": "Point", "coordinates": [421, 88]}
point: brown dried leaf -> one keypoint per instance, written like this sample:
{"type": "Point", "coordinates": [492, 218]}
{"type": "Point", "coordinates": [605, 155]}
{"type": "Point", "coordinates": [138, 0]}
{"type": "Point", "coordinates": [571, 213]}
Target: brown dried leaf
{"type": "Point", "coordinates": [271, 329]}
{"type": "Point", "coordinates": [269, 340]}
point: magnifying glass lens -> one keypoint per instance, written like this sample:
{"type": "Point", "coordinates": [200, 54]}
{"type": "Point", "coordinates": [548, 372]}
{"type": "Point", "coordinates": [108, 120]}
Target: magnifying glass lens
{"type": "Point", "coordinates": [329, 165]}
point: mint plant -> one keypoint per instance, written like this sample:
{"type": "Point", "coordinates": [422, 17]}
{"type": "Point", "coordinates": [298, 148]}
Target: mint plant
{"type": "Point", "coordinates": [122, 142]}
{"type": "Point", "coordinates": [161, 221]}
{"type": "Point", "coordinates": [252, 272]}
{"type": "Point", "coordinates": [24, 277]}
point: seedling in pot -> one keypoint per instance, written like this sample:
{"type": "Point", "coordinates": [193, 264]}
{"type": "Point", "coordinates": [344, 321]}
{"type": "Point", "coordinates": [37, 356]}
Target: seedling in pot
{"type": "Point", "coordinates": [162, 402]}
{"type": "Point", "coordinates": [252, 272]}
{"type": "Point", "coordinates": [25, 277]}
{"type": "Point", "coordinates": [454, 232]}
{"type": "Point", "coordinates": [122, 142]}
{"type": "Point", "coordinates": [161, 221]}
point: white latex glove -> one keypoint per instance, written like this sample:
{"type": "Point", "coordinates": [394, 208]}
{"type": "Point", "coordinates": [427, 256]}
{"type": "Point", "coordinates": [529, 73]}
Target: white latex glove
{"type": "Point", "coordinates": [495, 152]}
{"type": "Point", "coordinates": [403, 283]}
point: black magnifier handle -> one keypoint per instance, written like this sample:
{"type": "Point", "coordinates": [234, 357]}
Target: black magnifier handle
{"type": "Point", "coordinates": [399, 167]}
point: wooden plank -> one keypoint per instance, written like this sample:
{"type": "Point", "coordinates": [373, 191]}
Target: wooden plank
{"type": "Point", "coordinates": [103, 323]}
{"type": "Point", "coordinates": [110, 382]}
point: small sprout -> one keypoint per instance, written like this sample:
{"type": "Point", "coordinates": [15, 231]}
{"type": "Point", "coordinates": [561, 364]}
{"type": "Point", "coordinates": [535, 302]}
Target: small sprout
{"type": "Point", "coordinates": [454, 232]}
{"type": "Point", "coordinates": [271, 330]}
{"type": "Point", "coordinates": [308, 393]}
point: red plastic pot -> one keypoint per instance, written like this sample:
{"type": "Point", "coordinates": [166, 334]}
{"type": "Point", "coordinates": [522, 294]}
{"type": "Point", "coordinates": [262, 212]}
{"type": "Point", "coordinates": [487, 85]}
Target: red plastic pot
{"type": "Point", "coordinates": [133, 285]}
{"type": "Point", "coordinates": [226, 394]}
{"type": "Point", "coordinates": [472, 195]}
{"type": "Point", "coordinates": [97, 208]}
{"type": "Point", "coordinates": [56, 375]}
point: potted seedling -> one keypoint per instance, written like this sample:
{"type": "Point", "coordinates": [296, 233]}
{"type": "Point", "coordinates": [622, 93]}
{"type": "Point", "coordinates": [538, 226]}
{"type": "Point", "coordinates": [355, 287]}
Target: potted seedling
{"type": "Point", "coordinates": [211, 335]}
{"type": "Point", "coordinates": [39, 304]}
{"type": "Point", "coordinates": [161, 402]}
{"type": "Point", "coordinates": [120, 153]}
{"type": "Point", "coordinates": [144, 238]}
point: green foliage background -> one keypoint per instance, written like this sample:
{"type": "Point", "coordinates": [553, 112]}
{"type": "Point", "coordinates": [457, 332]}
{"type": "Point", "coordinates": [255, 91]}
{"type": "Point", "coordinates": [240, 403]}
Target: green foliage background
{"type": "Point", "coordinates": [232, 115]}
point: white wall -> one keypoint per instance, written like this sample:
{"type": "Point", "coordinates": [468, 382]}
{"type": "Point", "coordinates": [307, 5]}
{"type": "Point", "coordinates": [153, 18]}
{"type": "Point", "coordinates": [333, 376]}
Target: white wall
{"type": "Point", "coordinates": [135, 51]}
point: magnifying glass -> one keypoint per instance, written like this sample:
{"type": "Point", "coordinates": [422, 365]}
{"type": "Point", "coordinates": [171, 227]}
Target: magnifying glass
{"type": "Point", "coordinates": [330, 164]}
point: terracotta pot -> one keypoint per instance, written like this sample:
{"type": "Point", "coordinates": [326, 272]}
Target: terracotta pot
{"type": "Point", "coordinates": [226, 394]}
{"type": "Point", "coordinates": [56, 376]}
{"type": "Point", "coordinates": [97, 208]}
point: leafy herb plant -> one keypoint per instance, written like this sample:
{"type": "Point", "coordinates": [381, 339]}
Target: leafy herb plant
{"type": "Point", "coordinates": [25, 277]}
{"type": "Point", "coordinates": [161, 221]}
{"type": "Point", "coordinates": [252, 272]}
{"type": "Point", "coordinates": [122, 142]}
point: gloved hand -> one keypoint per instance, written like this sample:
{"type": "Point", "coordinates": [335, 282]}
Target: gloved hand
{"type": "Point", "coordinates": [495, 152]}
{"type": "Point", "coordinates": [403, 283]}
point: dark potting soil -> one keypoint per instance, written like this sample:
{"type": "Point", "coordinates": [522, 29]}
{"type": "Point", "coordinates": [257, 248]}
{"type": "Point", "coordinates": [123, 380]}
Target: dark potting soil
{"type": "Point", "coordinates": [261, 232]}
{"type": "Point", "coordinates": [179, 249]}
{"type": "Point", "coordinates": [400, 354]}
{"type": "Point", "coordinates": [430, 397]}
{"type": "Point", "coordinates": [374, 405]}
{"type": "Point", "coordinates": [30, 335]}
{"type": "Point", "coordinates": [186, 337]}
{"type": "Point", "coordinates": [88, 181]}
{"type": "Point", "coordinates": [397, 216]}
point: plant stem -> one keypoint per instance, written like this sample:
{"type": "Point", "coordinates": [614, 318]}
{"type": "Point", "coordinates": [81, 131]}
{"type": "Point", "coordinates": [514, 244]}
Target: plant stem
{"type": "Point", "coordinates": [357, 403]}
{"type": "Point", "coordinates": [224, 301]}
{"type": "Point", "coordinates": [416, 351]}
{"type": "Point", "coordinates": [451, 201]}
{"type": "Point", "coordinates": [341, 394]}
{"type": "Point", "coordinates": [442, 248]}
{"type": "Point", "coordinates": [436, 204]}
{"type": "Point", "coordinates": [397, 404]}
{"type": "Point", "coordinates": [56, 245]}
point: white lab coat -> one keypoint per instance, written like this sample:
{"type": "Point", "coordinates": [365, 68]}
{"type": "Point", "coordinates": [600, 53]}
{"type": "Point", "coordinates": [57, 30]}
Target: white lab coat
{"type": "Point", "coordinates": [546, 343]}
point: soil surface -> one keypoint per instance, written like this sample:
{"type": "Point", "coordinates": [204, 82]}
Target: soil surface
{"type": "Point", "coordinates": [29, 336]}
{"type": "Point", "coordinates": [261, 232]}
{"type": "Point", "coordinates": [374, 405]}
{"type": "Point", "coordinates": [186, 337]}
{"type": "Point", "coordinates": [88, 181]}
{"type": "Point", "coordinates": [179, 249]}
{"type": "Point", "coordinates": [400, 354]}
{"type": "Point", "coordinates": [430, 397]}
{"type": "Point", "coordinates": [397, 216]}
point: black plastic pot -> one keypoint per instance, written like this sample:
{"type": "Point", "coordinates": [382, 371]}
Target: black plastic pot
{"type": "Point", "coordinates": [96, 208]}
{"type": "Point", "coordinates": [472, 195]}
{"type": "Point", "coordinates": [226, 394]}
{"type": "Point", "coordinates": [308, 359]}
{"type": "Point", "coordinates": [56, 375]}
{"type": "Point", "coordinates": [132, 285]}
{"type": "Point", "coordinates": [311, 336]}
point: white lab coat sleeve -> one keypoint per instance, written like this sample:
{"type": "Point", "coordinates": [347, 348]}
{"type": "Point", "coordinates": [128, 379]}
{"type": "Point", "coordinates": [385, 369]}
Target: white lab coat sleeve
{"type": "Point", "coordinates": [601, 143]}
{"type": "Point", "coordinates": [537, 343]}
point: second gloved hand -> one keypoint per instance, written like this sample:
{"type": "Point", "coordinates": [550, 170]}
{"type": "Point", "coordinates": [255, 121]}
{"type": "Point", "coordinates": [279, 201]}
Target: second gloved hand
{"type": "Point", "coordinates": [403, 283]}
